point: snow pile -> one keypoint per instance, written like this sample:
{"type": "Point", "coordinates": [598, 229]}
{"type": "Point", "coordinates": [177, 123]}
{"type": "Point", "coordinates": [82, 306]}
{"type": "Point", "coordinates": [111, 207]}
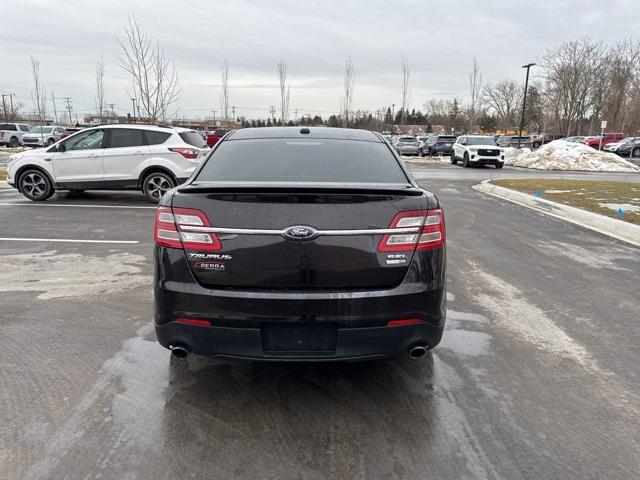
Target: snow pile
{"type": "Point", "coordinates": [562, 155]}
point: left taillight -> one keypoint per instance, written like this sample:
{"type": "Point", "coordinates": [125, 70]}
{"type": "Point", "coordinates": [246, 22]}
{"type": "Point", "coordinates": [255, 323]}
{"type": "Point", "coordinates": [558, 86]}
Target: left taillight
{"type": "Point", "coordinates": [191, 153]}
{"type": "Point", "coordinates": [429, 231]}
{"type": "Point", "coordinates": [169, 230]}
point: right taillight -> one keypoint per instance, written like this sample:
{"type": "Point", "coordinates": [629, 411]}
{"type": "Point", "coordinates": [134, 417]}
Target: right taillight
{"type": "Point", "coordinates": [417, 229]}
{"type": "Point", "coordinates": [169, 231]}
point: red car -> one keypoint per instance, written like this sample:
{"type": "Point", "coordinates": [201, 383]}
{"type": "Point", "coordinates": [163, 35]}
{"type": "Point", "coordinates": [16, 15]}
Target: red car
{"type": "Point", "coordinates": [217, 134]}
{"type": "Point", "coordinates": [606, 139]}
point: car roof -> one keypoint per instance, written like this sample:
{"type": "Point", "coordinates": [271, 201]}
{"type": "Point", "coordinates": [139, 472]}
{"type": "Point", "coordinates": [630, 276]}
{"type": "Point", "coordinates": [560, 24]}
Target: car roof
{"type": "Point", "coordinates": [296, 132]}
{"type": "Point", "coordinates": [137, 126]}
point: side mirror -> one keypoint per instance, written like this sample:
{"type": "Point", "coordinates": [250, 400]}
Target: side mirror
{"type": "Point", "coordinates": [60, 147]}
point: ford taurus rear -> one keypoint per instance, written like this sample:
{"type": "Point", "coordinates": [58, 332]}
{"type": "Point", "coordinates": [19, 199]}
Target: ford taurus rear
{"type": "Point", "coordinates": [300, 244]}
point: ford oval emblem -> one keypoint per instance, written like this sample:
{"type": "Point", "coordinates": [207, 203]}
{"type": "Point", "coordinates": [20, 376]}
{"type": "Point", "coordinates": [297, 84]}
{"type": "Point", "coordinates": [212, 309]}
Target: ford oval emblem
{"type": "Point", "coordinates": [300, 232]}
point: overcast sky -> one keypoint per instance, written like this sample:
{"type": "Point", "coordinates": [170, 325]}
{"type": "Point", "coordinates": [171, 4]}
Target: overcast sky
{"type": "Point", "coordinates": [439, 39]}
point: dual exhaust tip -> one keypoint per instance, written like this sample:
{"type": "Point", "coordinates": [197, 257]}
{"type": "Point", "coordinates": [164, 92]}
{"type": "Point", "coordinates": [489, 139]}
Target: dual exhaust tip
{"type": "Point", "coordinates": [418, 351]}
{"type": "Point", "coordinates": [182, 351]}
{"type": "Point", "coordinates": [179, 351]}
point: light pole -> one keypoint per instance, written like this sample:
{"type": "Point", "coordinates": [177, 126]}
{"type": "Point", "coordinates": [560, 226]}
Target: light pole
{"type": "Point", "coordinates": [524, 102]}
{"type": "Point", "coordinates": [133, 102]}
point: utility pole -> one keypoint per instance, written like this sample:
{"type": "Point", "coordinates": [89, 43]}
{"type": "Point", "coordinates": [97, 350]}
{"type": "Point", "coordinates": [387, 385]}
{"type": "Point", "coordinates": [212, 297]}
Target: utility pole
{"type": "Point", "coordinates": [133, 101]}
{"type": "Point", "coordinates": [393, 113]}
{"type": "Point", "coordinates": [295, 116]}
{"type": "Point", "coordinates": [13, 114]}
{"type": "Point", "coordinates": [4, 107]}
{"type": "Point", "coordinates": [55, 112]}
{"type": "Point", "coordinates": [68, 100]}
{"type": "Point", "coordinates": [524, 101]}
{"type": "Point", "coordinates": [233, 110]}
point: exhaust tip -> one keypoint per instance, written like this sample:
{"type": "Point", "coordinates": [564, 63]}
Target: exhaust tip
{"type": "Point", "coordinates": [418, 351]}
{"type": "Point", "coordinates": [179, 351]}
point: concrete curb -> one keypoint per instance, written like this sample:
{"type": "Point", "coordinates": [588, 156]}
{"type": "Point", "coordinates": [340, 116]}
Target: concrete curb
{"type": "Point", "coordinates": [627, 232]}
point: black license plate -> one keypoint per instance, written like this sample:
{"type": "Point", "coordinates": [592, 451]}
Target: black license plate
{"type": "Point", "coordinates": [299, 338]}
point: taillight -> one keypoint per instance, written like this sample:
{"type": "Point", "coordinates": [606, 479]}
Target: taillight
{"type": "Point", "coordinates": [191, 153]}
{"type": "Point", "coordinates": [428, 231]}
{"type": "Point", "coordinates": [169, 232]}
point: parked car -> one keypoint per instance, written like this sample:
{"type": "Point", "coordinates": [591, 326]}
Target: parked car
{"type": "Point", "coordinates": [438, 145]}
{"type": "Point", "coordinates": [477, 150]}
{"type": "Point", "coordinates": [512, 141]}
{"type": "Point", "coordinates": [539, 139]}
{"type": "Point", "coordinates": [407, 145]}
{"type": "Point", "coordinates": [575, 139]}
{"type": "Point", "coordinates": [69, 131]}
{"type": "Point", "coordinates": [118, 157]}
{"type": "Point", "coordinates": [11, 133]}
{"type": "Point", "coordinates": [613, 147]}
{"type": "Point", "coordinates": [599, 141]}
{"type": "Point", "coordinates": [293, 243]}
{"type": "Point", "coordinates": [216, 135]}
{"type": "Point", "coordinates": [630, 149]}
{"type": "Point", "coordinates": [42, 136]}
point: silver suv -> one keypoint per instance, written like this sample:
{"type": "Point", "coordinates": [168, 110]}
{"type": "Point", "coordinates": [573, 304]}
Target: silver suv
{"type": "Point", "coordinates": [11, 133]}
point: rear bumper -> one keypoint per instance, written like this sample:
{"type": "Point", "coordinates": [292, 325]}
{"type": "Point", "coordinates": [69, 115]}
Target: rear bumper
{"type": "Point", "coordinates": [351, 343]}
{"type": "Point", "coordinates": [238, 317]}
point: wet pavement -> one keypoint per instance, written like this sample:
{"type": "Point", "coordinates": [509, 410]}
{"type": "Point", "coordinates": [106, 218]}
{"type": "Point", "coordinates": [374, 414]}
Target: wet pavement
{"type": "Point", "coordinates": [536, 376]}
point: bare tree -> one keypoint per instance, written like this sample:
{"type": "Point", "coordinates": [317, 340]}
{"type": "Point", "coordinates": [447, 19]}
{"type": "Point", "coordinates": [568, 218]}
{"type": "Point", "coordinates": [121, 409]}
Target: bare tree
{"type": "Point", "coordinates": [38, 94]}
{"type": "Point", "coordinates": [224, 95]}
{"type": "Point", "coordinates": [100, 89]}
{"type": "Point", "coordinates": [347, 99]}
{"type": "Point", "coordinates": [154, 79]}
{"type": "Point", "coordinates": [475, 88]}
{"type": "Point", "coordinates": [573, 71]}
{"type": "Point", "coordinates": [406, 93]}
{"type": "Point", "coordinates": [284, 90]}
{"type": "Point", "coordinates": [504, 98]}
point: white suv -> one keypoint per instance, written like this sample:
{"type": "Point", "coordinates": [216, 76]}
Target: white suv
{"type": "Point", "coordinates": [42, 136]}
{"type": "Point", "coordinates": [477, 150]}
{"type": "Point", "coordinates": [116, 157]}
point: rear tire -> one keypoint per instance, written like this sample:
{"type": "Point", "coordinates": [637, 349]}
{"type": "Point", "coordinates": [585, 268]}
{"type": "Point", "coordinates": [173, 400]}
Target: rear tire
{"type": "Point", "coordinates": [156, 184]}
{"type": "Point", "coordinates": [500, 165]}
{"type": "Point", "coordinates": [35, 185]}
{"type": "Point", "coordinates": [14, 142]}
{"type": "Point", "coordinates": [536, 145]}
{"type": "Point", "coordinates": [635, 153]}
{"type": "Point", "coordinates": [465, 161]}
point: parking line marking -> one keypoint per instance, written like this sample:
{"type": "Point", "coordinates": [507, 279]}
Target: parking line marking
{"type": "Point", "coordinates": [70, 205]}
{"type": "Point", "coordinates": [64, 240]}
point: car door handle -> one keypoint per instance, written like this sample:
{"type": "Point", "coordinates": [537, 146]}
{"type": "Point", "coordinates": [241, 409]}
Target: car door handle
{"type": "Point", "coordinates": [47, 159]}
{"type": "Point", "coordinates": [92, 155]}
{"type": "Point", "coordinates": [138, 152]}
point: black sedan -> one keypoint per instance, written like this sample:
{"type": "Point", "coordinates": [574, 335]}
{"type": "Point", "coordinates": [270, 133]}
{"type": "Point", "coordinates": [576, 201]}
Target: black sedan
{"type": "Point", "coordinates": [300, 244]}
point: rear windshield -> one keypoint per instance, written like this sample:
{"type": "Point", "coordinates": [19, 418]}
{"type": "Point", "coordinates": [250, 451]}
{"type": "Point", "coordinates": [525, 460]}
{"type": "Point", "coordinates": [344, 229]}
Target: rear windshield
{"type": "Point", "coordinates": [408, 139]}
{"type": "Point", "coordinates": [448, 138]}
{"type": "Point", "coordinates": [7, 126]}
{"type": "Point", "coordinates": [193, 138]}
{"type": "Point", "coordinates": [297, 160]}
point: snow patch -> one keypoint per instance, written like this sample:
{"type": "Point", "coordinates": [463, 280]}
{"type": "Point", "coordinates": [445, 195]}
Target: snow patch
{"type": "Point", "coordinates": [71, 274]}
{"type": "Point", "coordinates": [626, 207]}
{"type": "Point", "coordinates": [563, 155]}
{"type": "Point", "coordinates": [511, 311]}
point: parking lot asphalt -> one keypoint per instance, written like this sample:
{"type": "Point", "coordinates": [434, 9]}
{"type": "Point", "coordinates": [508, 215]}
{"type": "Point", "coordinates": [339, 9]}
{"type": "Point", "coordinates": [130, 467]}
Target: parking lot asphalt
{"type": "Point", "coordinates": [536, 377]}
